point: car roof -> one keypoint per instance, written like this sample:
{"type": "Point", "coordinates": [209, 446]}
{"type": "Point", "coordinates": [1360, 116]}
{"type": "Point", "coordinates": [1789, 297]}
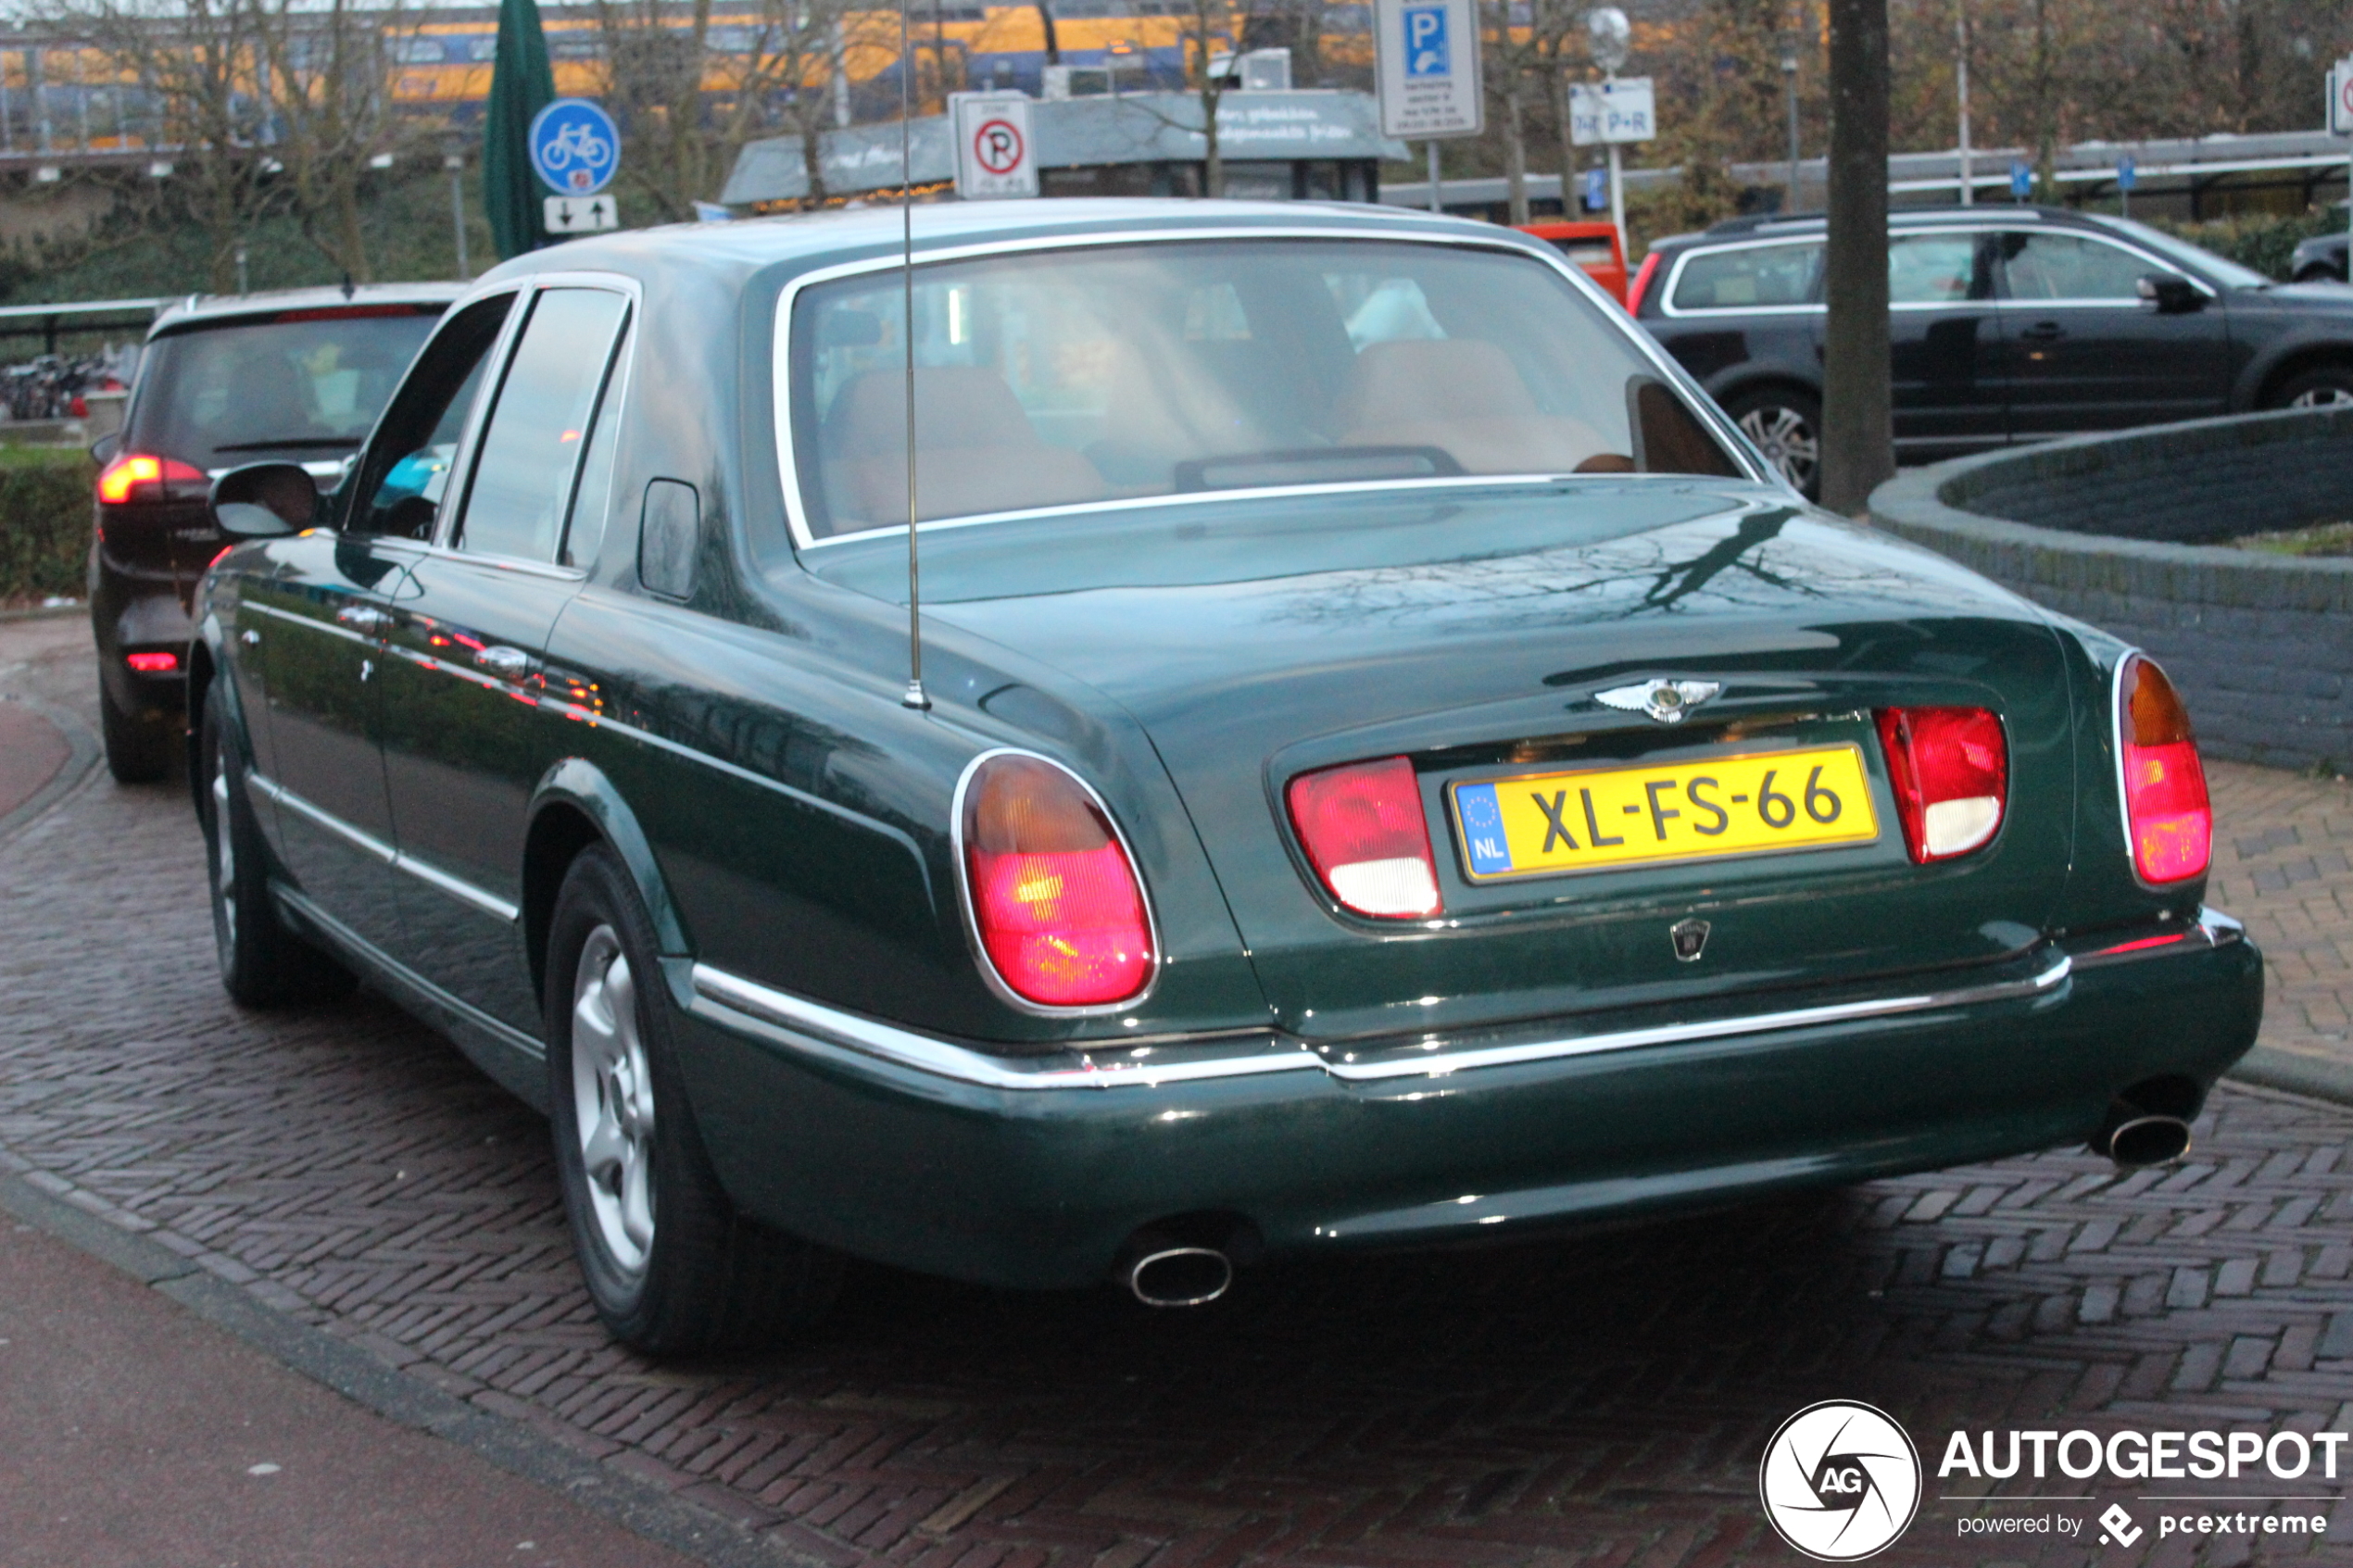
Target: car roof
{"type": "Point", "coordinates": [1768, 225]}
{"type": "Point", "coordinates": [198, 311]}
{"type": "Point", "coordinates": [750, 245]}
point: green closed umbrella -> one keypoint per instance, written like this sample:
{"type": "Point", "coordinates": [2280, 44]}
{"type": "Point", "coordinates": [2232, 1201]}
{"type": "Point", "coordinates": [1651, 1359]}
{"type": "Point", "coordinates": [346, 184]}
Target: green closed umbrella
{"type": "Point", "coordinates": [521, 85]}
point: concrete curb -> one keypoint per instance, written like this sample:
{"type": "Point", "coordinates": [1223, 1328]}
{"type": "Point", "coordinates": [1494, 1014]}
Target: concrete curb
{"type": "Point", "coordinates": [359, 1376]}
{"type": "Point", "coordinates": [2293, 1072]}
{"type": "Point", "coordinates": [83, 752]}
{"type": "Point", "coordinates": [44, 612]}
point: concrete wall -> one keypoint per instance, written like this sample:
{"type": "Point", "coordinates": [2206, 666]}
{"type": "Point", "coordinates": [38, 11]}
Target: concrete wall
{"type": "Point", "coordinates": [2106, 529]}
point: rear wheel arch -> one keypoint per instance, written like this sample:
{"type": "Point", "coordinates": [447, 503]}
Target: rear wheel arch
{"type": "Point", "coordinates": [574, 807]}
{"type": "Point", "coordinates": [201, 673]}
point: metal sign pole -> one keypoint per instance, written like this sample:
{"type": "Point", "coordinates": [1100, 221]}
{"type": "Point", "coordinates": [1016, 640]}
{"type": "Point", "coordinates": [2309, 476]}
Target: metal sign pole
{"type": "Point", "coordinates": [1435, 204]}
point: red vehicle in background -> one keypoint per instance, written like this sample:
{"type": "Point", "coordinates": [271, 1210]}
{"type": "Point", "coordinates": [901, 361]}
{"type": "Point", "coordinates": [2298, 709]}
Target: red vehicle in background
{"type": "Point", "coordinates": [1597, 247]}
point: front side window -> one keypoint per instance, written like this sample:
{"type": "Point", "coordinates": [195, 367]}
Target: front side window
{"type": "Point", "coordinates": [1170, 368]}
{"type": "Point", "coordinates": [531, 448]}
{"type": "Point", "coordinates": [2070, 267]}
{"type": "Point", "coordinates": [1749, 277]}
{"type": "Point", "coordinates": [398, 489]}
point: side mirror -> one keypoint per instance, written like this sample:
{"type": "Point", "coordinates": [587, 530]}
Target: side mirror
{"type": "Point", "coordinates": [264, 500]}
{"type": "Point", "coordinates": [2171, 294]}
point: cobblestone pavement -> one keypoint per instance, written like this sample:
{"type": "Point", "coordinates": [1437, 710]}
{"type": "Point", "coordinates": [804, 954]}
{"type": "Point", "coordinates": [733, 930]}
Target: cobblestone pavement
{"type": "Point", "coordinates": [1599, 1402]}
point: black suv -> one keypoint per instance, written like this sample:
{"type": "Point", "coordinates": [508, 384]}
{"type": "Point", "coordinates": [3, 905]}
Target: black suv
{"type": "Point", "coordinates": [300, 375]}
{"type": "Point", "coordinates": [2008, 324]}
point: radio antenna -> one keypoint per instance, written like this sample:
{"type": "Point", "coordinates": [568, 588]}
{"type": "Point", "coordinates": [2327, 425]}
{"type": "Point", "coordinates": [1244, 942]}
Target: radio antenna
{"type": "Point", "coordinates": [915, 697]}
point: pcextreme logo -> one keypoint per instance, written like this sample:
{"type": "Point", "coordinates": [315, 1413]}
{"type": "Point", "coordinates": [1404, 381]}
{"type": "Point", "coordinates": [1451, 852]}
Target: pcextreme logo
{"type": "Point", "coordinates": [1840, 1481]}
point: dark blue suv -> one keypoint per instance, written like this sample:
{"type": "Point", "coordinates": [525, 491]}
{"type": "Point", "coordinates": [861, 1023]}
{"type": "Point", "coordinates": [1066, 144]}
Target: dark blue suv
{"type": "Point", "coordinates": [2008, 324]}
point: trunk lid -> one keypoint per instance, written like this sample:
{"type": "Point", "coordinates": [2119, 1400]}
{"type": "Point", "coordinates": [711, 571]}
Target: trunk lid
{"type": "Point", "coordinates": [1476, 643]}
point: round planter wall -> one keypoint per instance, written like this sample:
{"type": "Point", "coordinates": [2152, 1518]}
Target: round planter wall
{"type": "Point", "coordinates": [2113, 529]}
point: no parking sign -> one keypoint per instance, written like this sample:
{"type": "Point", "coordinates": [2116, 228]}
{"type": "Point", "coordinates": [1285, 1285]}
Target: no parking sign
{"type": "Point", "coordinates": [996, 150]}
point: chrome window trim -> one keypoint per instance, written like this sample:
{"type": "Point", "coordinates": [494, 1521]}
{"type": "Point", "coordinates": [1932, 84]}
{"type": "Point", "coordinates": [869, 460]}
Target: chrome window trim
{"type": "Point", "coordinates": [997, 983]}
{"type": "Point", "coordinates": [433, 876]}
{"type": "Point", "coordinates": [731, 1001]}
{"type": "Point", "coordinates": [1701, 405]}
{"type": "Point", "coordinates": [1979, 228]}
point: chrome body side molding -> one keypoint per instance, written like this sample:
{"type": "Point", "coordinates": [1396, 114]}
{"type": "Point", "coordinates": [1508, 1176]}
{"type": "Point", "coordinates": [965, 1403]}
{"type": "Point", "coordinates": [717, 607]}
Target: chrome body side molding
{"type": "Point", "coordinates": [731, 1001]}
{"type": "Point", "coordinates": [432, 876]}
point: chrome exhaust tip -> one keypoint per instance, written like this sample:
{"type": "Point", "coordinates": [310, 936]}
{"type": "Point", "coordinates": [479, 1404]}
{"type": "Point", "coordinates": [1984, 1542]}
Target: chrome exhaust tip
{"type": "Point", "coordinates": [2147, 1140]}
{"type": "Point", "coordinates": [1180, 1276]}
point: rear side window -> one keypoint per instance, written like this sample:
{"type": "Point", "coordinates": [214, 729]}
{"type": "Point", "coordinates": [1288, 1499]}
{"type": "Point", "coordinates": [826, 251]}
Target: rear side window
{"type": "Point", "coordinates": [309, 383]}
{"type": "Point", "coordinates": [1933, 269]}
{"type": "Point", "coordinates": [523, 480]}
{"type": "Point", "coordinates": [1755, 275]}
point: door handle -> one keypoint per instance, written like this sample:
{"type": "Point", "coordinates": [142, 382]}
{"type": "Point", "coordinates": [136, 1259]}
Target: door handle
{"type": "Point", "coordinates": [363, 618]}
{"type": "Point", "coordinates": [501, 660]}
{"type": "Point", "coordinates": [2043, 331]}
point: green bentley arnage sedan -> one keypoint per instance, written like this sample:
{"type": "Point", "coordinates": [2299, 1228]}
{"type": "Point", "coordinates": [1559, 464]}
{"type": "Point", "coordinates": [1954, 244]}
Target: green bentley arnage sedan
{"type": "Point", "coordinates": [1387, 765]}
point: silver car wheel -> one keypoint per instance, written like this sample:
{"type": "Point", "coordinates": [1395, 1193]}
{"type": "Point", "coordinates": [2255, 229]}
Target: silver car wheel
{"type": "Point", "coordinates": [1787, 440]}
{"type": "Point", "coordinates": [2322, 397]}
{"type": "Point", "coordinates": [224, 882]}
{"type": "Point", "coordinates": [613, 1100]}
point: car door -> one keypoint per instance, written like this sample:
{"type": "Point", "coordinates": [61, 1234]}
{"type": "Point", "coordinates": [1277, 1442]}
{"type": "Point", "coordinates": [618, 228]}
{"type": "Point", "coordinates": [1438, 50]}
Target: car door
{"type": "Point", "coordinates": [314, 611]}
{"type": "Point", "coordinates": [1945, 344]}
{"type": "Point", "coordinates": [2083, 351]}
{"type": "Point", "coordinates": [465, 738]}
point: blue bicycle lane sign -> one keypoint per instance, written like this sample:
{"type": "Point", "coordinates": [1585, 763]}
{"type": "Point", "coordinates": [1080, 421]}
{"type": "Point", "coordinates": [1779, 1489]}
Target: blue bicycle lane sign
{"type": "Point", "coordinates": [575, 146]}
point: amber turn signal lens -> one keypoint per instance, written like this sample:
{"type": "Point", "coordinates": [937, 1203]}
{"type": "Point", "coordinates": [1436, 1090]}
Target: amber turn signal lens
{"type": "Point", "coordinates": [1057, 902]}
{"type": "Point", "coordinates": [2167, 813]}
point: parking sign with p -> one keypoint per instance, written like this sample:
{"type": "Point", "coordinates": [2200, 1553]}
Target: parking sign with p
{"type": "Point", "coordinates": [1429, 88]}
{"type": "Point", "coordinates": [1425, 51]}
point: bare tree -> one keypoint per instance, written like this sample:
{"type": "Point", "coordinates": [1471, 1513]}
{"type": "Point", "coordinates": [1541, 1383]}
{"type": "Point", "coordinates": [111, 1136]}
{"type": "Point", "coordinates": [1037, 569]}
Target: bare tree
{"type": "Point", "coordinates": [330, 101]}
{"type": "Point", "coordinates": [689, 93]}
{"type": "Point", "coordinates": [195, 60]}
{"type": "Point", "coordinates": [1205, 27]}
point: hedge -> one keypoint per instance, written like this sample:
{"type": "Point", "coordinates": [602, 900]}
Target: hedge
{"type": "Point", "coordinates": [45, 522]}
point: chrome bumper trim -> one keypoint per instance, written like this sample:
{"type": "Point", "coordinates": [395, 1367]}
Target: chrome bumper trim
{"type": "Point", "coordinates": [731, 1001]}
{"type": "Point", "coordinates": [376, 849]}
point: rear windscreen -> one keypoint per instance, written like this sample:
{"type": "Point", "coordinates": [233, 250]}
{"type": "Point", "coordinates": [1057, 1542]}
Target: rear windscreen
{"type": "Point", "coordinates": [299, 388]}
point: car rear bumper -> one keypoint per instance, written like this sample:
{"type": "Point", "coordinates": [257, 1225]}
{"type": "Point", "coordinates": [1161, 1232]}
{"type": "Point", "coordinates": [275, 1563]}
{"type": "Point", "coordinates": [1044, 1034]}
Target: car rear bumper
{"type": "Point", "coordinates": [1035, 1172]}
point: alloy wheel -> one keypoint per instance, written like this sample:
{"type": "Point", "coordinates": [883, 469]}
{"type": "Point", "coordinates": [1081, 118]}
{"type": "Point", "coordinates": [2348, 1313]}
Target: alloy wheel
{"type": "Point", "coordinates": [1788, 441]}
{"type": "Point", "coordinates": [2322, 397]}
{"type": "Point", "coordinates": [225, 879]}
{"type": "Point", "coordinates": [613, 1100]}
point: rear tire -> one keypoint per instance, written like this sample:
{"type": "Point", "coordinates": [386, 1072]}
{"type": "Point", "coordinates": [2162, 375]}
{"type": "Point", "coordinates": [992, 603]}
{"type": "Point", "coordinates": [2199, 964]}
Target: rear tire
{"type": "Point", "coordinates": [2324, 386]}
{"type": "Point", "coordinates": [2320, 274]}
{"type": "Point", "coordinates": [1786, 424]}
{"type": "Point", "coordinates": [672, 1268]}
{"type": "Point", "coordinates": [139, 746]}
{"type": "Point", "coordinates": [262, 962]}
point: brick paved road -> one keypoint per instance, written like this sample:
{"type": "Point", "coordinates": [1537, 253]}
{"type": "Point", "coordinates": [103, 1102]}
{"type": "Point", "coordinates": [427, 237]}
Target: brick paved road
{"type": "Point", "coordinates": [1602, 1402]}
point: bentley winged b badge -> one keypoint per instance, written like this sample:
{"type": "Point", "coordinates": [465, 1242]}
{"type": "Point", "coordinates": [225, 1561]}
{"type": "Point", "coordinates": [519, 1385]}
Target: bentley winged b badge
{"type": "Point", "coordinates": [1670, 702]}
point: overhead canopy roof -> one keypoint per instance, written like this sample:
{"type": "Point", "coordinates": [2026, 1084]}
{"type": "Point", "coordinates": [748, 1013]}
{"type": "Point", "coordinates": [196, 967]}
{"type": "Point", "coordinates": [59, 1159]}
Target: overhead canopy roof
{"type": "Point", "coordinates": [1079, 132]}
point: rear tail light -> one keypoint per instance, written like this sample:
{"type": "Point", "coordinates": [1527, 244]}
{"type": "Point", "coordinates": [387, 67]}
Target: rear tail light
{"type": "Point", "coordinates": [2167, 814]}
{"type": "Point", "coordinates": [1054, 897]}
{"type": "Point", "coordinates": [1642, 284]}
{"type": "Point", "coordinates": [1951, 769]}
{"type": "Point", "coordinates": [159, 663]}
{"type": "Point", "coordinates": [1363, 828]}
{"type": "Point", "coordinates": [138, 476]}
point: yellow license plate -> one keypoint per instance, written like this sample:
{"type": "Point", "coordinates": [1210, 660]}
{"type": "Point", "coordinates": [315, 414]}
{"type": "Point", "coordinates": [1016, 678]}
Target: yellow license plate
{"type": "Point", "coordinates": [1546, 824]}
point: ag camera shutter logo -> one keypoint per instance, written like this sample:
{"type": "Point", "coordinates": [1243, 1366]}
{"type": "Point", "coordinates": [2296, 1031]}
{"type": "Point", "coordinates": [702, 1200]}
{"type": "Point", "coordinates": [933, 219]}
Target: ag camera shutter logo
{"type": "Point", "coordinates": [1840, 1481]}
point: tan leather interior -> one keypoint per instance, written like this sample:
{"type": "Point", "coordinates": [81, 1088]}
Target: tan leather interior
{"type": "Point", "coordinates": [975, 450]}
{"type": "Point", "coordinates": [1492, 423]}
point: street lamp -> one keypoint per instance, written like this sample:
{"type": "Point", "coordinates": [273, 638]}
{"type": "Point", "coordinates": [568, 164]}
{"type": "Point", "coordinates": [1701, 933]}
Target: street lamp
{"type": "Point", "coordinates": [1609, 38]}
{"type": "Point", "coordinates": [1789, 83]}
